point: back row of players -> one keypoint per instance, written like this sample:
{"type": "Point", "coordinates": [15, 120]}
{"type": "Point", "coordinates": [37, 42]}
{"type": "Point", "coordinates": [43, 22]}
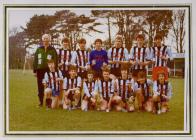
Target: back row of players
{"type": "Point", "coordinates": [104, 80]}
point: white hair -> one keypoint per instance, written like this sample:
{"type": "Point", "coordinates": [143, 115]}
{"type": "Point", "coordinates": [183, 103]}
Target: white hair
{"type": "Point", "coordinates": [46, 36]}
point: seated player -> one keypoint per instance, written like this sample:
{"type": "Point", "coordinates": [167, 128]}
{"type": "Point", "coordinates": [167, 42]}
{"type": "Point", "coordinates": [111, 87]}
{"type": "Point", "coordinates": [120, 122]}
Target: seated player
{"type": "Point", "coordinates": [123, 99]}
{"type": "Point", "coordinates": [88, 100]}
{"type": "Point", "coordinates": [143, 92]}
{"type": "Point", "coordinates": [52, 82]}
{"type": "Point", "coordinates": [104, 89]}
{"type": "Point", "coordinates": [162, 90]}
{"type": "Point", "coordinates": [72, 89]}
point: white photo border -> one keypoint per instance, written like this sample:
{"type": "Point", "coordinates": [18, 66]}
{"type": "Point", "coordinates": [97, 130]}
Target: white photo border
{"type": "Point", "coordinates": [188, 104]}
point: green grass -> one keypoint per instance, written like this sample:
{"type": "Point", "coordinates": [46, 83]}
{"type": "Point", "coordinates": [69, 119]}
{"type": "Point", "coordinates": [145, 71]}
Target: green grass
{"type": "Point", "coordinates": [25, 116]}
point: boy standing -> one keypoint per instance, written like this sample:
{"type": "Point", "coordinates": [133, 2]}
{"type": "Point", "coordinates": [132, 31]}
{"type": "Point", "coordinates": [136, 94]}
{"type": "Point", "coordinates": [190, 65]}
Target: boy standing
{"type": "Point", "coordinates": [80, 58]}
{"type": "Point", "coordinates": [117, 55]}
{"type": "Point", "coordinates": [140, 55]}
{"type": "Point", "coordinates": [64, 57]}
{"type": "Point", "coordinates": [161, 54]}
{"type": "Point", "coordinates": [98, 58]}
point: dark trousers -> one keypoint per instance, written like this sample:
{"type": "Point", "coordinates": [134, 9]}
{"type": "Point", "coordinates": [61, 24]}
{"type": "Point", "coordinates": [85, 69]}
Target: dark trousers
{"type": "Point", "coordinates": [40, 77]}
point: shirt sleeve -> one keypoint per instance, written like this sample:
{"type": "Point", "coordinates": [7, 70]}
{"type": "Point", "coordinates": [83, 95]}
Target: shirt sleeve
{"type": "Point", "coordinates": [135, 87]}
{"type": "Point", "coordinates": [109, 54]}
{"type": "Point", "coordinates": [152, 54]}
{"type": "Point", "coordinates": [55, 57]}
{"type": "Point", "coordinates": [126, 54]}
{"type": "Point", "coordinates": [155, 88]}
{"type": "Point", "coordinates": [148, 54]}
{"type": "Point", "coordinates": [112, 86]}
{"type": "Point", "coordinates": [149, 82]}
{"type": "Point", "coordinates": [58, 51]}
{"type": "Point", "coordinates": [60, 74]}
{"type": "Point", "coordinates": [79, 83]}
{"type": "Point", "coordinates": [65, 83]}
{"type": "Point", "coordinates": [169, 94]}
{"type": "Point", "coordinates": [46, 79]}
{"type": "Point", "coordinates": [106, 57]}
{"type": "Point", "coordinates": [86, 91]}
{"type": "Point", "coordinates": [90, 58]}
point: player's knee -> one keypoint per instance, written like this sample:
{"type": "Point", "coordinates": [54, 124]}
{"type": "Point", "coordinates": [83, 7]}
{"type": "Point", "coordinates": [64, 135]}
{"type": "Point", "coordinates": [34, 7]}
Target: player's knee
{"type": "Point", "coordinates": [48, 92]}
{"type": "Point", "coordinates": [118, 108]}
{"type": "Point", "coordinates": [155, 98]}
{"type": "Point", "coordinates": [164, 109]}
{"type": "Point", "coordinates": [84, 105]}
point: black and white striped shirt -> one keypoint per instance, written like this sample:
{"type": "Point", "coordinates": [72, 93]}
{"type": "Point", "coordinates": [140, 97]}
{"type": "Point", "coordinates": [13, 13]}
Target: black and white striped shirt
{"type": "Point", "coordinates": [89, 88]}
{"type": "Point", "coordinates": [158, 52]}
{"type": "Point", "coordinates": [117, 54]}
{"type": "Point", "coordinates": [69, 83]}
{"type": "Point", "coordinates": [64, 56]}
{"type": "Point", "coordinates": [140, 54]}
{"type": "Point", "coordinates": [50, 78]}
{"type": "Point", "coordinates": [80, 58]}
{"type": "Point", "coordinates": [106, 88]}
{"type": "Point", "coordinates": [124, 88]}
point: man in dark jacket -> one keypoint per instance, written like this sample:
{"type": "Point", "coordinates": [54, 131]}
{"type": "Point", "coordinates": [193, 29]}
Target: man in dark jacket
{"type": "Point", "coordinates": [44, 53]}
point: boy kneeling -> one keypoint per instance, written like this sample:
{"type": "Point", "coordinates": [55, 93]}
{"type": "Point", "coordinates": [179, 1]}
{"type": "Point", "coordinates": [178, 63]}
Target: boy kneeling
{"type": "Point", "coordinates": [52, 82]}
{"type": "Point", "coordinates": [72, 89]}
{"type": "Point", "coordinates": [123, 99]}
{"type": "Point", "coordinates": [88, 100]}
{"type": "Point", "coordinates": [143, 91]}
{"type": "Point", "coordinates": [162, 93]}
{"type": "Point", "coordinates": [105, 90]}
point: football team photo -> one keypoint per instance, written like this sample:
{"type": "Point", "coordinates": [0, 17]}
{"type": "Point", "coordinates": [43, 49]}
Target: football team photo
{"type": "Point", "coordinates": [103, 70]}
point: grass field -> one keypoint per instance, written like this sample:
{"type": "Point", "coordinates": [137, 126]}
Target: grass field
{"type": "Point", "coordinates": [25, 116]}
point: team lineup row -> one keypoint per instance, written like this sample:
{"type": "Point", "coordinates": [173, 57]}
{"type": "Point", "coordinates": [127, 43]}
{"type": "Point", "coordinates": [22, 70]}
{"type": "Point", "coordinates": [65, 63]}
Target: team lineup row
{"type": "Point", "coordinates": [114, 91]}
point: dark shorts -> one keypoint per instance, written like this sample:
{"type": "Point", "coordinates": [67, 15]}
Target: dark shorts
{"type": "Point", "coordinates": [55, 93]}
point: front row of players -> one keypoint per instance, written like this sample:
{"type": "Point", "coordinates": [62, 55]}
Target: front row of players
{"type": "Point", "coordinates": [127, 93]}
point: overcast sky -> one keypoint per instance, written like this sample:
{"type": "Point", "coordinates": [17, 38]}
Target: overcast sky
{"type": "Point", "coordinates": [20, 17]}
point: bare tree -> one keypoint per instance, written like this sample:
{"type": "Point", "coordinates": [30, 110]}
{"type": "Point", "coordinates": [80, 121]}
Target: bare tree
{"type": "Point", "coordinates": [178, 27]}
{"type": "Point", "coordinates": [13, 31]}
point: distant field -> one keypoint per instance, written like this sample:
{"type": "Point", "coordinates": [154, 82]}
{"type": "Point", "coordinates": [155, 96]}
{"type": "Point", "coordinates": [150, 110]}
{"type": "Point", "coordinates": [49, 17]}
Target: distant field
{"type": "Point", "coordinates": [25, 116]}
